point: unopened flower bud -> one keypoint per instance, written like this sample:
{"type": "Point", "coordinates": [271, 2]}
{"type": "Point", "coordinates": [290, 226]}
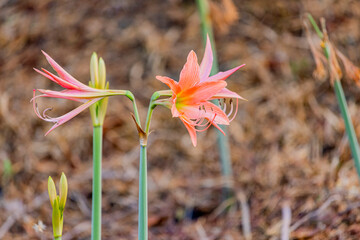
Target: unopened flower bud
{"type": "Point", "coordinates": [98, 80]}
{"type": "Point", "coordinates": [94, 70]}
{"type": "Point", "coordinates": [102, 74]}
{"type": "Point", "coordinates": [63, 191]}
{"type": "Point", "coordinates": [52, 191]}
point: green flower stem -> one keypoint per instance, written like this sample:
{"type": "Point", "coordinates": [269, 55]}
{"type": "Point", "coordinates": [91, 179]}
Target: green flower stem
{"type": "Point", "coordinates": [57, 238]}
{"type": "Point", "coordinates": [96, 194]}
{"type": "Point", "coordinates": [354, 145]}
{"type": "Point", "coordinates": [136, 112]}
{"type": "Point", "coordinates": [151, 108]}
{"type": "Point", "coordinates": [222, 140]}
{"type": "Point", "coordinates": [143, 203]}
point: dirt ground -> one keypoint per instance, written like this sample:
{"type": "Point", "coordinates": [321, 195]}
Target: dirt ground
{"type": "Point", "coordinates": [289, 149]}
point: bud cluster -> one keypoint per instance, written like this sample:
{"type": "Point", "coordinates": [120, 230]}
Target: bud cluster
{"type": "Point", "coordinates": [98, 80]}
{"type": "Point", "coordinates": [58, 204]}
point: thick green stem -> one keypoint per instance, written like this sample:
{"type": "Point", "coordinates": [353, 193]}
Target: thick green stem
{"type": "Point", "coordinates": [143, 204]}
{"type": "Point", "coordinates": [96, 194]}
{"type": "Point", "coordinates": [223, 141]}
{"type": "Point", "coordinates": [354, 145]}
{"type": "Point", "coordinates": [57, 238]}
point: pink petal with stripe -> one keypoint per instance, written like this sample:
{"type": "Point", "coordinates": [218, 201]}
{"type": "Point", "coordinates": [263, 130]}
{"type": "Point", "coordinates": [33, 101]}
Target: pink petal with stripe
{"type": "Point", "coordinates": [63, 74]}
{"type": "Point", "coordinates": [189, 75]}
{"type": "Point", "coordinates": [224, 75]}
{"type": "Point", "coordinates": [226, 93]}
{"type": "Point", "coordinates": [207, 61]}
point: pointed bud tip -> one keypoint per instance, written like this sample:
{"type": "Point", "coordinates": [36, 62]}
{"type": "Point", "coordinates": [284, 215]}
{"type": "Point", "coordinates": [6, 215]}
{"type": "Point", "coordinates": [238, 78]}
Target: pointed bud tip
{"type": "Point", "coordinates": [51, 190]}
{"type": "Point", "coordinates": [94, 70]}
{"type": "Point", "coordinates": [63, 191]}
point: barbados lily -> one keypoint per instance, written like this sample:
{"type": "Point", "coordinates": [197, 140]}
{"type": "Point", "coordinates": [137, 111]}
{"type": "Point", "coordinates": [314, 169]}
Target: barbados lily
{"type": "Point", "coordinates": [191, 96]}
{"type": "Point", "coordinates": [74, 90]}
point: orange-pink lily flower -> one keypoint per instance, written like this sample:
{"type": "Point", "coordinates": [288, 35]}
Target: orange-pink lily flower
{"type": "Point", "coordinates": [74, 90]}
{"type": "Point", "coordinates": [191, 95]}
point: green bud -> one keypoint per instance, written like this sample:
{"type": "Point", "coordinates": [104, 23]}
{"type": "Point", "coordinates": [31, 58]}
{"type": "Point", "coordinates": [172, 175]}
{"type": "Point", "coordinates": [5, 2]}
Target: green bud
{"type": "Point", "coordinates": [94, 70]}
{"type": "Point", "coordinates": [98, 80]}
{"type": "Point", "coordinates": [52, 191]}
{"type": "Point", "coordinates": [102, 74]}
{"type": "Point", "coordinates": [63, 191]}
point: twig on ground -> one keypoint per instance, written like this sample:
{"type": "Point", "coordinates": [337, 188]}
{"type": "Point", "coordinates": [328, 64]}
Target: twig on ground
{"type": "Point", "coordinates": [286, 221]}
{"type": "Point", "coordinates": [315, 213]}
{"type": "Point", "coordinates": [245, 216]}
{"type": "Point", "coordinates": [201, 232]}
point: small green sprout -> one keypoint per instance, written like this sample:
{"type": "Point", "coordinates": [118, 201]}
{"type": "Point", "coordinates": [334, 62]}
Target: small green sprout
{"type": "Point", "coordinates": [58, 204]}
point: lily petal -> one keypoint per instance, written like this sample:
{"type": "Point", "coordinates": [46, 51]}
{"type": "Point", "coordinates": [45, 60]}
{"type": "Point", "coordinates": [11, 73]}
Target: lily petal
{"type": "Point", "coordinates": [206, 110]}
{"type": "Point", "coordinates": [226, 93]}
{"type": "Point", "coordinates": [211, 110]}
{"type": "Point", "coordinates": [172, 84]}
{"type": "Point", "coordinates": [66, 117]}
{"type": "Point", "coordinates": [76, 94]}
{"type": "Point", "coordinates": [189, 75]}
{"type": "Point", "coordinates": [56, 79]}
{"type": "Point", "coordinates": [191, 130]}
{"type": "Point", "coordinates": [224, 75]}
{"type": "Point", "coordinates": [206, 63]}
{"type": "Point", "coordinates": [54, 96]}
{"type": "Point", "coordinates": [201, 92]}
{"type": "Point", "coordinates": [219, 128]}
{"type": "Point", "coordinates": [63, 74]}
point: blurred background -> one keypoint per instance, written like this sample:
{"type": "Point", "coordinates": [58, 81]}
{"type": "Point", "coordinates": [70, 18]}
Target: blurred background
{"type": "Point", "coordinates": [288, 144]}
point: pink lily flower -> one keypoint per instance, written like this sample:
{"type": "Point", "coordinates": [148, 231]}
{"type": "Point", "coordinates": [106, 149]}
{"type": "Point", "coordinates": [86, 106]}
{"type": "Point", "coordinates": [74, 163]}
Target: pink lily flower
{"type": "Point", "coordinates": [74, 90]}
{"type": "Point", "coordinates": [191, 95]}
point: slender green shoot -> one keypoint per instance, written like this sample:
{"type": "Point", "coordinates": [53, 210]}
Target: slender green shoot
{"type": "Point", "coordinates": [354, 145]}
{"type": "Point", "coordinates": [130, 96]}
{"type": "Point", "coordinates": [222, 140]}
{"type": "Point", "coordinates": [353, 141]}
{"type": "Point", "coordinates": [315, 26]}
